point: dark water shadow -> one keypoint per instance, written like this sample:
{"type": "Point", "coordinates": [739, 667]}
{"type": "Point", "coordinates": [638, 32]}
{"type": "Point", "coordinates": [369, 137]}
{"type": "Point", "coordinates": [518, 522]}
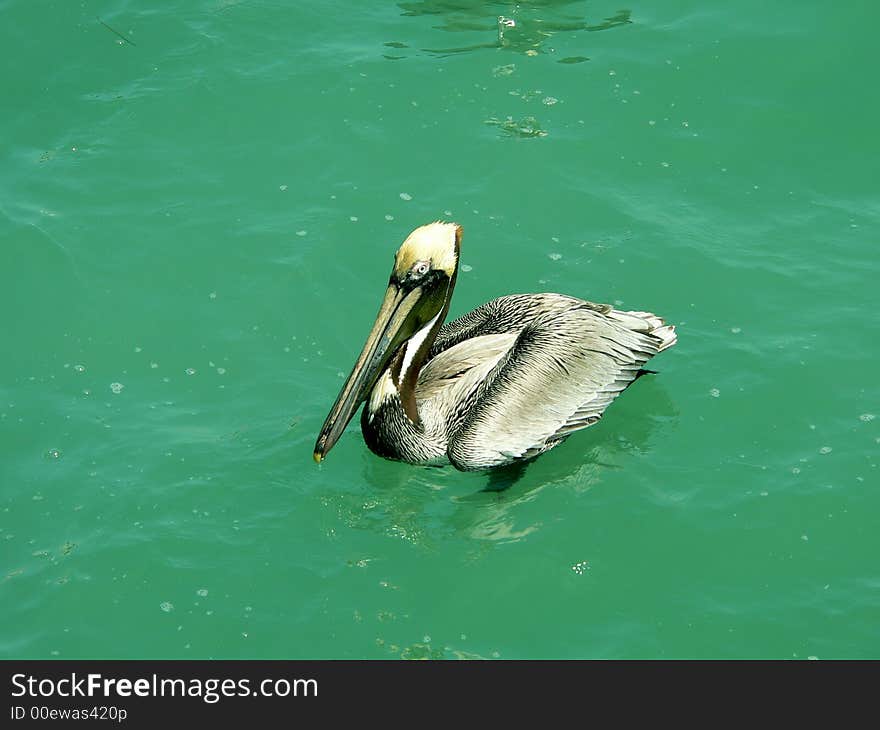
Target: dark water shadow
{"type": "Point", "coordinates": [502, 479]}
{"type": "Point", "coordinates": [428, 505]}
{"type": "Point", "coordinates": [523, 27]}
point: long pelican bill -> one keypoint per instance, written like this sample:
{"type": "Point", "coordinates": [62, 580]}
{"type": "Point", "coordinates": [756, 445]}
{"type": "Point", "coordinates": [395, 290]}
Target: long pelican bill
{"type": "Point", "coordinates": [394, 325]}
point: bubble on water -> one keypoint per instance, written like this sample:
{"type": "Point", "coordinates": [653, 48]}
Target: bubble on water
{"type": "Point", "coordinates": [166, 606]}
{"type": "Point", "coordinates": [795, 470]}
{"type": "Point", "coordinates": [813, 657]}
{"type": "Point", "coordinates": [53, 454]}
{"type": "Point", "coordinates": [550, 100]}
{"type": "Point", "coordinates": [804, 538]}
{"type": "Point", "coordinates": [467, 267]}
{"type": "Point", "coordinates": [353, 218]}
{"type": "Point", "coordinates": [138, 349]}
{"type": "Point", "coordinates": [202, 592]}
{"type": "Point", "coordinates": [116, 387]}
{"type": "Point", "coordinates": [580, 567]}
{"type": "Point", "coordinates": [301, 233]}
{"type": "Point", "coordinates": [554, 256]}
{"type": "Point", "coordinates": [405, 196]}
{"type": "Point", "coordinates": [389, 217]}
{"type": "Point", "coordinates": [154, 365]}
{"type": "Point", "coordinates": [825, 450]}
{"type": "Point", "coordinates": [867, 417]}
{"type": "Point", "coordinates": [506, 70]}
{"type": "Point", "coordinates": [528, 127]}
{"type": "Point", "coordinates": [426, 639]}
{"type": "Point", "coordinates": [714, 392]}
{"type": "Point", "coordinates": [735, 330]}
{"type": "Point", "coordinates": [190, 371]}
{"type": "Point", "coordinates": [79, 368]}
{"type": "Point", "coordinates": [221, 371]}
{"type": "Point", "coordinates": [282, 188]}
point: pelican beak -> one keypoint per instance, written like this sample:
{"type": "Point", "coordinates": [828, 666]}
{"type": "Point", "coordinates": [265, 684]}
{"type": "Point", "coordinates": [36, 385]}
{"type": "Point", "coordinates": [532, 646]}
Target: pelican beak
{"type": "Point", "coordinates": [398, 319]}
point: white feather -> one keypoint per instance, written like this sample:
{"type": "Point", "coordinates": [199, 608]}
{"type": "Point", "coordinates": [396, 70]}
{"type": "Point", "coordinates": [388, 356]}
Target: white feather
{"type": "Point", "coordinates": [413, 345]}
{"type": "Point", "coordinates": [382, 390]}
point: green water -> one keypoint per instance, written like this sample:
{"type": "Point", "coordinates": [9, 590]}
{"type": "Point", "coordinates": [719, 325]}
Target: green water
{"type": "Point", "coordinates": [196, 227]}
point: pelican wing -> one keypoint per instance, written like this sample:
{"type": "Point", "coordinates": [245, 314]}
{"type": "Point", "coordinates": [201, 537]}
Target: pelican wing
{"type": "Point", "coordinates": [506, 314]}
{"type": "Point", "coordinates": [558, 376]}
{"type": "Point", "coordinates": [459, 370]}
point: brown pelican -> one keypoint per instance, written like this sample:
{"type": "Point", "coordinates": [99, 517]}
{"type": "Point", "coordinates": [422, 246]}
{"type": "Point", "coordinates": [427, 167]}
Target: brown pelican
{"type": "Point", "coordinates": [504, 383]}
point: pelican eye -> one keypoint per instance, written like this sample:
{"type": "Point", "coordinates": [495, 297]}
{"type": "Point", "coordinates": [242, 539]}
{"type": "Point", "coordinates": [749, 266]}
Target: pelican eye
{"type": "Point", "coordinates": [420, 268]}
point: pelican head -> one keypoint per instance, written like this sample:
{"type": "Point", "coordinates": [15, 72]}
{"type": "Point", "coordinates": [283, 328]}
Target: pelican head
{"type": "Point", "coordinates": [412, 312]}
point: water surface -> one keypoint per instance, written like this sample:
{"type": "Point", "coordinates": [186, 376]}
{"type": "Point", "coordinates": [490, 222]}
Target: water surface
{"type": "Point", "coordinates": [198, 207]}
